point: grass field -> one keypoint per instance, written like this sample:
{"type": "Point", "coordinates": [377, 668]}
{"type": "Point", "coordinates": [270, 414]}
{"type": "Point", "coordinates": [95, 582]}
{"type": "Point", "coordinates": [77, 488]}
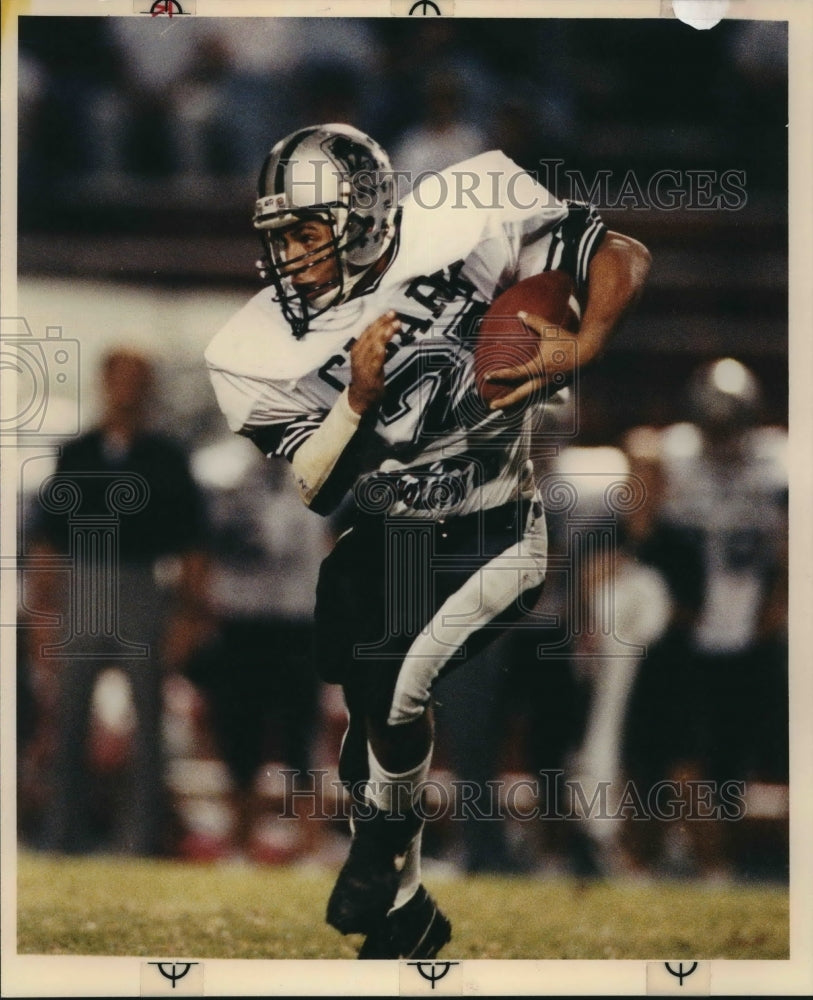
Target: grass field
{"type": "Point", "coordinates": [111, 906]}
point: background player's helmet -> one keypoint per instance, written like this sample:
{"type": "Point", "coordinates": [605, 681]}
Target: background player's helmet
{"type": "Point", "coordinates": [342, 177]}
{"type": "Point", "coordinates": [724, 396]}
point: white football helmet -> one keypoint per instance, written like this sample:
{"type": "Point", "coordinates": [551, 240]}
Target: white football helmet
{"type": "Point", "coordinates": [342, 177]}
{"type": "Point", "coordinates": [724, 395]}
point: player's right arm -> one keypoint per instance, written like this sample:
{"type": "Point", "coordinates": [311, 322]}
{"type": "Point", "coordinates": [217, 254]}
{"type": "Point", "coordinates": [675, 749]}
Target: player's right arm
{"type": "Point", "coordinates": [327, 445]}
{"type": "Point", "coordinates": [327, 463]}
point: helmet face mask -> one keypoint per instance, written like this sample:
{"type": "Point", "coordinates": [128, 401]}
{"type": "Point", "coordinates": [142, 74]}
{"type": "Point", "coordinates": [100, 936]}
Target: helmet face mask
{"type": "Point", "coordinates": [286, 269]}
{"type": "Point", "coordinates": [339, 177]}
{"type": "Point", "coordinates": [288, 266]}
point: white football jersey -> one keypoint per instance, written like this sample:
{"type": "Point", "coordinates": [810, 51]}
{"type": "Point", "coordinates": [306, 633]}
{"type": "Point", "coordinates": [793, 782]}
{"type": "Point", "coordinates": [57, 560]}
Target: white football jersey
{"type": "Point", "coordinates": [734, 513]}
{"type": "Point", "coordinates": [465, 235]}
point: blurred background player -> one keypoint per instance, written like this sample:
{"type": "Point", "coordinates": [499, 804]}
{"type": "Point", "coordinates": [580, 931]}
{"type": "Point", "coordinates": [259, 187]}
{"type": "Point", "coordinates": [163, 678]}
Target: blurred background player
{"type": "Point", "coordinates": [156, 575]}
{"type": "Point", "coordinates": [625, 609]}
{"type": "Point", "coordinates": [713, 705]}
{"type": "Point", "coordinates": [356, 365]}
{"type": "Point", "coordinates": [256, 671]}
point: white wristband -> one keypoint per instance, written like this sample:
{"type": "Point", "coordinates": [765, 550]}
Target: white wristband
{"type": "Point", "coordinates": [317, 457]}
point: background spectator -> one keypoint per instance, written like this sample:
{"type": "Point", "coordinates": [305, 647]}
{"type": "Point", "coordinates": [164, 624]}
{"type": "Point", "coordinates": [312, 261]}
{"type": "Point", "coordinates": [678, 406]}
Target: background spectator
{"type": "Point", "coordinates": [122, 524]}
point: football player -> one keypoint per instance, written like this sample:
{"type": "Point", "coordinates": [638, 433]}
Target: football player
{"type": "Point", "coordinates": [356, 365]}
{"type": "Point", "coordinates": [726, 501]}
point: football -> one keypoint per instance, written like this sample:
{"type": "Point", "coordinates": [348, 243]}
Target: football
{"type": "Point", "coordinates": [503, 340]}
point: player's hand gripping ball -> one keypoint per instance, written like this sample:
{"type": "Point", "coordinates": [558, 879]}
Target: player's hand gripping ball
{"type": "Point", "coordinates": [504, 341]}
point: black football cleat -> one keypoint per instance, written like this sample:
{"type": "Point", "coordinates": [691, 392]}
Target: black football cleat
{"type": "Point", "coordinates": [415, 930]}
{"type": "Point", "coordinates": [368, 880]}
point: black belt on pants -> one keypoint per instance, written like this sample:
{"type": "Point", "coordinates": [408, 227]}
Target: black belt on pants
{"type": "Point", "coordinates": [508, 517]}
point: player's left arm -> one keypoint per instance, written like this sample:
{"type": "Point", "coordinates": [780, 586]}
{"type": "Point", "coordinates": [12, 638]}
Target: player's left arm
{"type": "Point", "coordinates": [616, 277]}
{"type": "Point", "coordinates": [617, 273]}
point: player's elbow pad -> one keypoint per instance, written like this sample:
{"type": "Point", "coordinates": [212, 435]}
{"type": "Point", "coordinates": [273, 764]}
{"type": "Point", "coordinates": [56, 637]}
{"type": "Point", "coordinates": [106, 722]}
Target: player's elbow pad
{"type": "Point", "coordinates": [317, 458]}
